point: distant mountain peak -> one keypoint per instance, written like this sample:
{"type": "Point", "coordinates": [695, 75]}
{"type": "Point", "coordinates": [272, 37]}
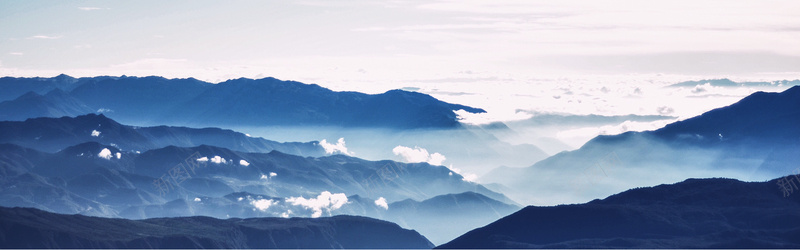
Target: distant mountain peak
{"type": "Point", "coordinates": [30, 95]}
{"type": "Point", "coordinates": [64, 77]}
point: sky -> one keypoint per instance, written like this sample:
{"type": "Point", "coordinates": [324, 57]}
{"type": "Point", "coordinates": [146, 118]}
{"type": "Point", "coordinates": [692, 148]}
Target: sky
{"type": "Point", "coordinates": [512, 58]}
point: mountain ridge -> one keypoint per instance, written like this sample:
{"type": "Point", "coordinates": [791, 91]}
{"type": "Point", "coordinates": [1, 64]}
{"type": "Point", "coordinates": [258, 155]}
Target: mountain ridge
{"type": "Point", "coordinates": [257, 102]}
{"type": "Point", "coordinates": [53, 134]}
{"type": "Point", "coordinates": [695, 213]}
{"type": "Point", "coordinates": [32, 228]}
{"type": "Point", "coordinates": [755, 138]}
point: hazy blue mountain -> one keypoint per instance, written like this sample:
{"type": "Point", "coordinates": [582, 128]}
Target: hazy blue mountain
{"type": "Point", "coordinates": [242, 102]}
{"type": "Point", "coordinates": [270, 101]}
{"type": "Point", "coordinates": [725, 82]}
{"type": "Point", "coordinates": [756, 138]}
{"type": "Point", "coordinates": [441, 218]}
{"type": "Point", "coordinates": [102, 180]}
{"type": "Point", "coordinates": [444, 217]}
{"type": "Point", "coordinates": [15, 87]}
{"type": "Point", "coordinates": [119, 180]}
{"type": "Point", "coordinates": [567, 121]}
{"type": "Point", "coordinates": [696, 213]}
{"type": "Point", "coordinates": [55, 103]}
{"type": "Point", "coordinates": [292, 110]}
{"type": "Point", "coordinates": [53, 134]}
{"type": "Point", "coordinates": [761, 117]}
{"type": "Point", "coordinates": [32, 228]}
{"type": "Point", "coordinates": [138, 99]}
{"type": "Point", "coordinates": [296, 175]}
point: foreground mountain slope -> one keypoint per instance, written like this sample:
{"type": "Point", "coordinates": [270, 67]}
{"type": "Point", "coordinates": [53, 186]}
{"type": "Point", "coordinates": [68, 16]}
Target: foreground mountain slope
{"type": "Point", "coordinates": [696, 213]}
{"type": "Point", "coordinates": [32, 228]}
{"type": "Point", "coordinates": [53, 134]}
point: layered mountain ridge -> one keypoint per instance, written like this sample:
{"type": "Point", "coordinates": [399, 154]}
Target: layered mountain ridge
{"type": "Point", "coordinates": [756, 138]}
{"type": "Point", "coordinates": [241, 102]}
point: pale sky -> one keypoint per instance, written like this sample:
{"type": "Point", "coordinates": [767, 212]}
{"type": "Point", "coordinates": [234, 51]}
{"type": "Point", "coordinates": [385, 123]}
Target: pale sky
{"type": "Point", "coordinates": [501, 55]}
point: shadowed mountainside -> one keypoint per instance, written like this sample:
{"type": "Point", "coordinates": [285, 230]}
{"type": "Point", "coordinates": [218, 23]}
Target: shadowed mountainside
{"type": "Point", "coordinates": [696, 213]}
{"type": "Point", "coordinates": [32, 228]}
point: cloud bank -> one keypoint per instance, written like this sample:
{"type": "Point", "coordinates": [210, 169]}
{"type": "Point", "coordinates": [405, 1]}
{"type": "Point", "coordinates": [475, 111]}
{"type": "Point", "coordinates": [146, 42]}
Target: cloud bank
{"type": "Point", "coordinates": [262, 204]}
{"type": "Point", "coordinates": [218, 160]}
{"type": "Point", "coordinates": [105, 154]}
{"type": "Point", "coordinates": [339, 147]}
{"type": "Point", "coordinates": [381, 202]}
{"type": "Point", "coordinates": [417, 154]}
{"type": "Point", "coordinates": [325, 201]}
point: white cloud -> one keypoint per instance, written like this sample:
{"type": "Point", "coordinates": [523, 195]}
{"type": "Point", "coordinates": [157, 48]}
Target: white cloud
{"type": "Point", "coordinates": [119, 155]}
{"type": "Point", "coordinates": [465, 176]}
{"type": "Point", "coordinates": [197, 199]}
{"type": "Point", "coordinates": [286, 214]}
{"type": "Point", "coordinates": [418, 154]}
{"type": "Point", "coordinates": [105, 154]}
{"type": "Point", "coordinates": [334, 148]}
{"type": "Point", "coordinates": [218, 160]}
{"type": "Point", "coordinates": [469, 177]}
{"type": "Point", "coordinates": [89, 8]}
{"type": "Point", "coordinates": [436, 159]}
{"type": "Point", "coordinates": [325, 201]}
{"type": "Point", "coordinates": [240, 199]}
{"type": "Point", "coordinates": [381, 202]}
{"type": "Point", "coordinates": [16, 53]}
{"type": "Point", "coordinates": [262, 204]}
{"type": "Point", "coordinates": [44, 37]}
{"type": "Point", "coordinates": [95, 133]}
{"type": "Point", "coordinates": [244, 163]}
{"type": "Point", "coordinates": [267, 177]}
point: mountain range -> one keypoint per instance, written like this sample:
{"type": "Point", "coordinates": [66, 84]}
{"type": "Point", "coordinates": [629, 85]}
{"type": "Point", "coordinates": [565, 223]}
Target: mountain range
{"type": "Point", "coordinates": [695, 213]}
{"type": "Point", "coordinates": [268, 107]}
{"type": "Point", "coordinates": [725, 82]}
{"type": "Point", "coordinates": [167, 177]}
{"type": "Point", "coordinates": [33, 228]}
{"type": "Point", "coordinates": [53, 134]}
{"type": "Point", "coordinates": [240, 102]}
{"type": "Point", "coordinates": [121, 171]}
{"type": "Point", "coordinates": [756, 138]}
